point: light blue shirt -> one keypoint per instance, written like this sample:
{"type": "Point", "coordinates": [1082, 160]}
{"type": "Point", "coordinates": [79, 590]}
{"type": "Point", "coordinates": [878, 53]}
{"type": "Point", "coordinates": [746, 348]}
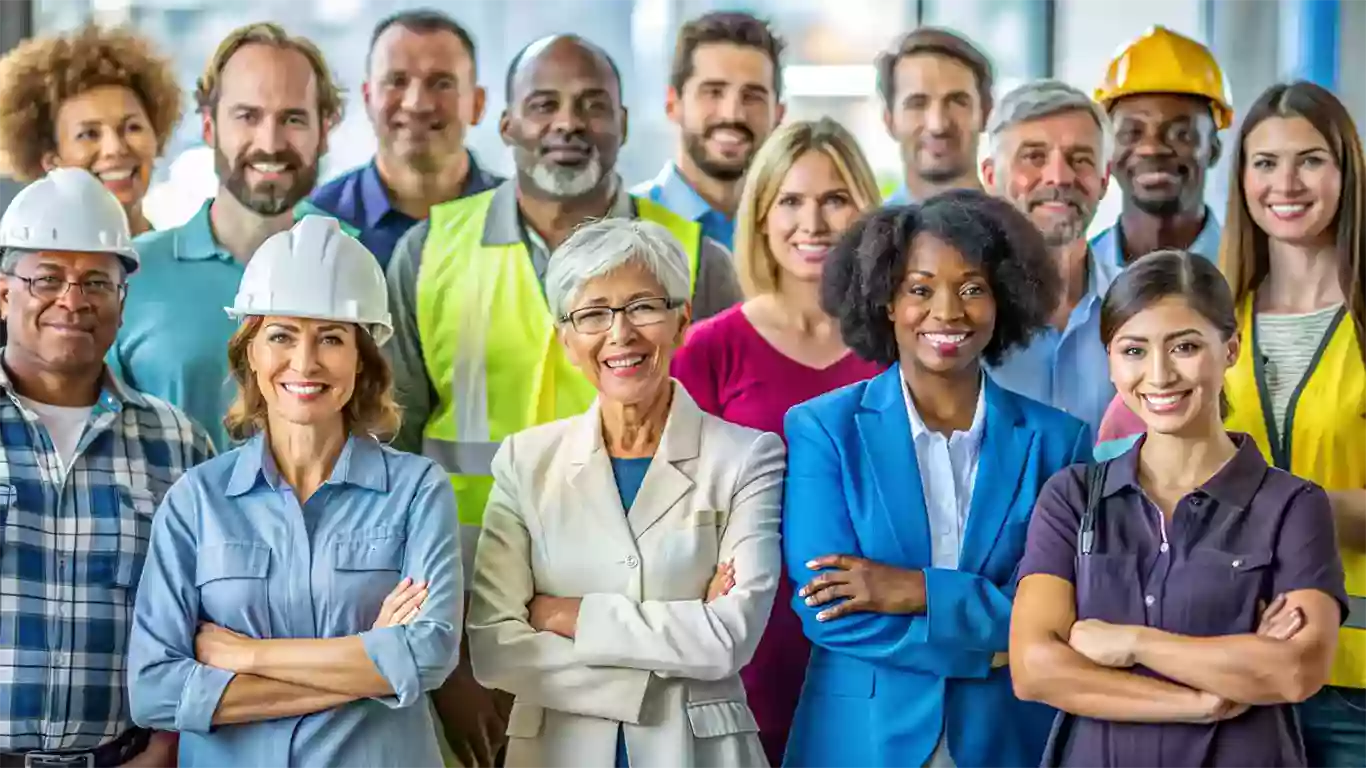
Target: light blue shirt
{"type": "Point", "coordinates": [672, 191]}
{"type": "Point", "coordinates": [1109, 245]}
{"type": "Point", "coordinates": [232, 545]}
{"type": "Point", "coordinates": [1069, 370]}
{"type": "Point", "coordinates": [901, 196]}
{"type": "Point", "coordinates": [174, 339]}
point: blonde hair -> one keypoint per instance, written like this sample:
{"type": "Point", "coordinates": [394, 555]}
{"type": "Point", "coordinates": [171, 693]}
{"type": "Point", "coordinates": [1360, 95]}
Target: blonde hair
{"type": "Point", "coordinates": [371, 411]}
{"type": "Point", "coordinates": [330, 101]}
{"type": "Point", "coordinates": [754, 262]}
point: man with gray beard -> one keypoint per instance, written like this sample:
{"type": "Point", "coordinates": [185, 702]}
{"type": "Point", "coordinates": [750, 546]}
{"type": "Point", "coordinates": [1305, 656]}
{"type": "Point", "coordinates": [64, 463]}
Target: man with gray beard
{"type": "Point", "coordinates": [474, 352]}
{"type": "Point", "coordinates": [1049, 149]}
{"type": "Point", "coordinates": [266, 104]}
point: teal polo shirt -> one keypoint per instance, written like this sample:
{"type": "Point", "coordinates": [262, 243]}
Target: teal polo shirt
{"type": "Point", "coordinates": [174, 338]}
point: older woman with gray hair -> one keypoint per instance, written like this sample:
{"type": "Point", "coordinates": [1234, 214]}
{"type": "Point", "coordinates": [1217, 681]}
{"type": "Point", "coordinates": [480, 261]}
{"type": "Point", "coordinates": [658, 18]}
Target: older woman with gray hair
{"type": "Point", "coordinates": [629, 556]}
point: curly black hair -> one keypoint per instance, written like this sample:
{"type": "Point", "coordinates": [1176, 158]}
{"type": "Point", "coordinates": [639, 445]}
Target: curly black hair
{"type": "Point", "coordinates": [868, 265]}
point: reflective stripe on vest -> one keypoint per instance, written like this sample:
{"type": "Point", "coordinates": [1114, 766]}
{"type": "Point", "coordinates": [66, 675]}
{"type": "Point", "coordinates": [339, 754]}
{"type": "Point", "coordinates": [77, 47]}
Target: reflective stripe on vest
{"type": "Point", "coordinates": [493, 384]}
{"type": "Point", "coordinates": [1326, 424]}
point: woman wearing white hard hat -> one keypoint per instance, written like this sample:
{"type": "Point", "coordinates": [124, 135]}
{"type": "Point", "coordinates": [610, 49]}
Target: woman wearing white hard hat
{"type": "Point", "coordinates": [303, 592]}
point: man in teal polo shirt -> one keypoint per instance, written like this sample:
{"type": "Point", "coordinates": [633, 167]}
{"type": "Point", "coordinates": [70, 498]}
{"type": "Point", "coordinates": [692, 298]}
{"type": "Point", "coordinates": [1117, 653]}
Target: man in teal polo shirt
{"type": "Point", "coordinates": [267, 102]}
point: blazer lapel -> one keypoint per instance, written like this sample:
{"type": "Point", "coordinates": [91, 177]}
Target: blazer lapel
{"type": "Point", "coordinates": [1005, 453]}
{"type": "Point", "coordinates": [594, 493]}
{"type": "Point", "coordinates": [665, 482]}
{"type": "Point", "coordinates": [884, 431]}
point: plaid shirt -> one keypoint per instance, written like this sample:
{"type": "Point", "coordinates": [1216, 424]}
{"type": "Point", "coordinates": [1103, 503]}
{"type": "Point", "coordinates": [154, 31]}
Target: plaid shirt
{"type": "Point", "coordinates": [72, 546]}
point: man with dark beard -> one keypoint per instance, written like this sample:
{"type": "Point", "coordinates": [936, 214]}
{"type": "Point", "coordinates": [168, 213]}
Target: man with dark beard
{"type": "Point", "coordinates": [266, 102]}
{"type": "Point", "coordinates": [1048, 147]}
{"type": "Point", "coordinates": [936, 97]}
{"type": "Point", "coordinates": [474, 352]}
{"type": "Point", "coordinates": [1165, 94]}
{"type": "Point", "coordinates": [422, 96]}
{"type": "Point", "coordinates": [723, 95]}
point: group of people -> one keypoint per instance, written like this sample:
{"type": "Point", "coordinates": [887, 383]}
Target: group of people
{"type": "Point", "coordinates": [741, 466]}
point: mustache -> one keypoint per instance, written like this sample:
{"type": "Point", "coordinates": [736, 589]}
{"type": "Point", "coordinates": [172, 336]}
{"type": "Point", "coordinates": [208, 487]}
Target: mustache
{"type": "Point", "coordinates": [739, 128]}
{"type": "Point", "coordinates": [1069, 195]}
{"type": "Point", "coordinates": [288, 158]}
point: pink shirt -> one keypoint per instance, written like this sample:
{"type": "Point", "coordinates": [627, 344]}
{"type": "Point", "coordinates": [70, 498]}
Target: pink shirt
{"type": "Point", "coordinates": [734, 373]}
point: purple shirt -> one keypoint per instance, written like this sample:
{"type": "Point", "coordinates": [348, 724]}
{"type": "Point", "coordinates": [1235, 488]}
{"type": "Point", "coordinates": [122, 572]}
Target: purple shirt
{"type": "Point", "coordinates": [734, 373]}
{"type": "Point", "coordinates": [1250, 533]}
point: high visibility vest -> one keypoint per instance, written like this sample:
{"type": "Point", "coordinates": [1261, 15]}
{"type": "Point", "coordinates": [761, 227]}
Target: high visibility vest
{"type": "Point", "coordinates": [1326, 444]}
{"type": "Point", "coordinates": [490, 346]}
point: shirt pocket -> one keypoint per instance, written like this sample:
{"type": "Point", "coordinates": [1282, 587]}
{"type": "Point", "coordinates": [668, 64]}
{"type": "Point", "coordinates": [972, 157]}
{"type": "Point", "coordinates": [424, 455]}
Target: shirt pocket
{"type": "Point", "coordinates": [138, 508]}
{"type": "Point", "coordinates": [231, 577]}
{"type": "Point", "coordinates": [366, 568]}
{"type": "Point", "coordinates": [1220, 591]}
{"type": "Point", "coordinates": [1108, 589]}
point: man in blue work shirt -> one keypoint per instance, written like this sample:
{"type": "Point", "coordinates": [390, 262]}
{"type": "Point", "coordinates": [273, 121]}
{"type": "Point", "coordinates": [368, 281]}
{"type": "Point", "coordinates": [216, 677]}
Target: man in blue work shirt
{"type": "Point", "coordinates": [1048, 143]}
{"type": "Point", "coordinates": [422, 96]}
{"type": "Point", "coordinates": [724, 91]}
{"type": "Point", "coordinates": [936, 98]}
{"type": "Point", "coordinates": [266, 101]}
{"type": "Point", "coordinates": [1166, 98]}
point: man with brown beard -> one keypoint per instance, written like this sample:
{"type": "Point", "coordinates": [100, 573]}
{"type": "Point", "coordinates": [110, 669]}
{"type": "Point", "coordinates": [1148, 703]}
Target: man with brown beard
{"type": "Point", "coordinates": [723, 95]}
{"type": "Point", "coordinates": [266, 102]}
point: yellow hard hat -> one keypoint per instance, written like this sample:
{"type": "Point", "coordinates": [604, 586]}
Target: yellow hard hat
{"type": "Point", "coordinates": [1163, 61]}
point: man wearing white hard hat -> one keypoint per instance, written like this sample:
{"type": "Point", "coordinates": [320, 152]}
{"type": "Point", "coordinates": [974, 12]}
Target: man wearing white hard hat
{"type": "Point", "coordinates": [311, 530]}
{"type": "Point", "coordinates": [84, 462]}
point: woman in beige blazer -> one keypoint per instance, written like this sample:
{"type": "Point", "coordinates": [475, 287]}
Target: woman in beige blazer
{"type": "Point", "coordinates": [630, 555]}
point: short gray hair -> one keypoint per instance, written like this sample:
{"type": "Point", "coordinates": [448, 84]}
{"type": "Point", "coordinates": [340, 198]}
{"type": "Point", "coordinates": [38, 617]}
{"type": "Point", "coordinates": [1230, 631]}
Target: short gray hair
{"type": "Point", "coordinates": [601, 247]}
{"type": "Point", "coordinates": [1038, 99]}
{"type": "Point", "coordinates": [11, 257]}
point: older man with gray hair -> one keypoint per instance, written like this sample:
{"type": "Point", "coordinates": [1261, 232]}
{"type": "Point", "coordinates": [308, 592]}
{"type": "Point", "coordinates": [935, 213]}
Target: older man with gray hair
{"type": "Point", "coordinates": [1049, 156]}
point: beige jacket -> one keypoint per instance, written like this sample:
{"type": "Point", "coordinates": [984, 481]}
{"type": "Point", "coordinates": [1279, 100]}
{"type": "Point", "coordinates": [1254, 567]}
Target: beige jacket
{"type": "Point", "coordinates": [648, 651]}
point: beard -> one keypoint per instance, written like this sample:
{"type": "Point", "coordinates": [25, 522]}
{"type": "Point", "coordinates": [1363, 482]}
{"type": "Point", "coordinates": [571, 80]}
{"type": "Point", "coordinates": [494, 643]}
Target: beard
{"type": "Point", "coordinates": [267, 198]}
{"type": "Point", "coordinates": [563, 182]}
{"type": "Point", "coordinates": [1060, 231]}
{"type": "Point", "coordinates": [695, 144]}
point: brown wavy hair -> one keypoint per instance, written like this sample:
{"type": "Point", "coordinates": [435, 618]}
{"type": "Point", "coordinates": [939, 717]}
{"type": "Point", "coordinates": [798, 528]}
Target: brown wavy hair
{"type": "Point", "coordinates": [39, 74]}
{"type": "Point", "coordinates": [330, 99]}
{"type": "Point", "coordinates": [371, 411]}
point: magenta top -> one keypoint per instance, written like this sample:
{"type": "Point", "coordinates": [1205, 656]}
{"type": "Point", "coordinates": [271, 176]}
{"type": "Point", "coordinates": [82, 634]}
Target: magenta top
{"type": "Point", "coordinates": [734, 373]}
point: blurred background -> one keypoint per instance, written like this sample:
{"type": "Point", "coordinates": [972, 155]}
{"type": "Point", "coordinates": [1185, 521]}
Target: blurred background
{"type": "Point", "coordinates": [828, 71]}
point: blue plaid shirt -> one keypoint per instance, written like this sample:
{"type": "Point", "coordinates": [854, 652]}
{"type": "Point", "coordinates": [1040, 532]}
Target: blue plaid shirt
{"type": "Point", "coordinates": [72, 546]}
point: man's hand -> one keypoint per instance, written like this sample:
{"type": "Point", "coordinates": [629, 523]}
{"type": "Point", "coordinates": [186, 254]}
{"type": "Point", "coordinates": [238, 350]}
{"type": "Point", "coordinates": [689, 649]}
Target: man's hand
{"type": "Point", "coordinates": [723, 582]}
{"type": "Point", "coordinates": [402, 605]}
{"type": "Point", "coordinates": [1277, 623]}
{"type": "Point", "coordinates": [865, 586]}
{"type": "Point", "coordinates": [1215, 708]}
{"type": "Point", "coordinates": [222, 648]}
{"type": "Point", "coordinates": [555, 614]}
{"type": "Point", "coordinates": [1109, 645]}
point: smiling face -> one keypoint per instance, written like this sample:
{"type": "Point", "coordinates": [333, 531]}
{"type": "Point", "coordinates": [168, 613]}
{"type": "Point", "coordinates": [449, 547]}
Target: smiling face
{"type": "Point", "coordinates": [1292, 181]}
{"type": "Point", "coordinates": [629, 362]}
{"type": "Point", "coordinates": [72, 331]}
{"type": "Point", "coordinates": [814, 206]}
{"type": "Point", "coordinates": [1164, 145]}
{"type": "Point", "coordinates": [1053, 171]}
{"type": "Point", "coordinates": [305, 369]}
{"type": "Point", "coordinates": [944, 312]}
{"type": "Point", "coordinates": [727, 108]}
{"type": "Point", "coordinates": [106, 130]}
{"type": "Point", "coordinates": [935, 116]}
{"type": "Point", "coordinates": [1168, 363]}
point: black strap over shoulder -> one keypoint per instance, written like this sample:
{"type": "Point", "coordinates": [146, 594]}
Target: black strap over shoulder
{"type": "Point", "coordinates": [1095, 490]}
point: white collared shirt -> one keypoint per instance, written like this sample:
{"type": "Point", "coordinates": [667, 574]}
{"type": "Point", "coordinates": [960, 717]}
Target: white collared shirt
{"type": "Point", "coordinates": [948, 470]}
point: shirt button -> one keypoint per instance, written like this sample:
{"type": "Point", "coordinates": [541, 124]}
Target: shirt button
{"type": "Point", "coordinates": [1164, 547]}
{"type": "Point", "coordinates": [1237, 563]}
{"type": "Point", "coordinates": [632, 561]}
{"type": "Point", "coordinates": [1149, 600]}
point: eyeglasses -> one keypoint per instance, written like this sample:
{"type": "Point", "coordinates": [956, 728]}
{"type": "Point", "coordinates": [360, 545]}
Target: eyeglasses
{"type": "Point", "coordinates": [639, 313]}
{"type": "Point", "coordinates": [51, 288]}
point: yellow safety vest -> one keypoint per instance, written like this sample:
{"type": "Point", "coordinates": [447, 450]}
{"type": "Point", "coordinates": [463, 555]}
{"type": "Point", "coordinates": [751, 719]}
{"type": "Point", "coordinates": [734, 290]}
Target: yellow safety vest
{"type": "Point", "coordinates": [1327, 444]}
{"type": "Point", "coordinates": [491, 348]}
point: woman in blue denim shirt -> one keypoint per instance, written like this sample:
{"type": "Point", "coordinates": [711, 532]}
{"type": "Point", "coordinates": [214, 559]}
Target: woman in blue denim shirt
{"type": "Point", "coordinates": [262, 631]}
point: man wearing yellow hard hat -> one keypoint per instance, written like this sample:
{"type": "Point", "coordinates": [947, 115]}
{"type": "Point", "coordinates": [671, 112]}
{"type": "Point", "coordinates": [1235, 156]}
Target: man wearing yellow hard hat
{"type": "Point", "coordinates": [1167, 100]}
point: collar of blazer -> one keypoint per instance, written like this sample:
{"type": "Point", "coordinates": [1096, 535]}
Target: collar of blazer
{"type": "Point", "coordinates": [591, 472]}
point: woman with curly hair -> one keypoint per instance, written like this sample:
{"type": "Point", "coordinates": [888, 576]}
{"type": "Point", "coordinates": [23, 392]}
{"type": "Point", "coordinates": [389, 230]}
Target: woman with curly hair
{"type": "Point", "coordinates": [98, 99]}
{"type": "Point", "coordinates": [908, 495]}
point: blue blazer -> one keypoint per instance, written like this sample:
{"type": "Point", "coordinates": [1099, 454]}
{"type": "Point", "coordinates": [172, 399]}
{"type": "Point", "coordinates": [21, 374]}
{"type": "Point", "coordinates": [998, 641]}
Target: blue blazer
{"type": "Point", "coordinates": [879, 687]}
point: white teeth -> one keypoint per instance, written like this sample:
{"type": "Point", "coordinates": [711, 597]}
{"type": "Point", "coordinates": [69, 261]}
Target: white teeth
{"type": "Point", "coordinates": [810, 248]}
{"type": "Point", "coordinates": [946, 338]}
{"type": "Point", "coordinates": [303, 389]}
{"type": "Point", "coordinates": [1289, 210]}
{"type": "Point", "coordinates": [626, 362]}
{"type": "Point", "coordinates": [729, 137]}
{"type": "Point", "coordinates": [269, 167]}
{"type": "Point", "coordinates": [116, 175]}
{"type": "Point", "coordinates": [1161, 400]}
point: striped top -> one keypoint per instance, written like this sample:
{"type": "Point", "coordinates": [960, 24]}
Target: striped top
{"type": "Point", "coordinates": [1288, 344]}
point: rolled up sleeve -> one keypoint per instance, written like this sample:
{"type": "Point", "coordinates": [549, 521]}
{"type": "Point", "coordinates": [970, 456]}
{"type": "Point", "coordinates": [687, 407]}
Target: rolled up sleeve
{"type": "Point", "coordinates": [168, 689]}
{"type": "Point", "coordinates": [418, 657]}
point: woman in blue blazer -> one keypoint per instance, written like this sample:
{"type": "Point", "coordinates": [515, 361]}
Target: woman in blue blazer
{"type": "Point", "coordinates": [908, 496]}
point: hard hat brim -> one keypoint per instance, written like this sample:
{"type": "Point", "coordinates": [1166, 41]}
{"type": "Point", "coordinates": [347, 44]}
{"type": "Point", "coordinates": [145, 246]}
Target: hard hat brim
{"type": "Point", "coordinates": [380, 330]}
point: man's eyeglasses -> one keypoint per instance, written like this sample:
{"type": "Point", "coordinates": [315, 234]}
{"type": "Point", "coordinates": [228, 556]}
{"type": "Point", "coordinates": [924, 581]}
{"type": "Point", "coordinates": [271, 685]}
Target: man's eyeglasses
{"type": "Point", "coordinates": [639, 313]}
{"type": "Point", "coordinates": [51, 288]}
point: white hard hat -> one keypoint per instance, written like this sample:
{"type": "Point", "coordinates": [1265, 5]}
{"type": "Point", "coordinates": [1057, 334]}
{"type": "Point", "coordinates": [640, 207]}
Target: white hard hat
{"type": "Point", "coordinates": [318, 272]}
{"type": "Point", "coordinates": [68, 210]}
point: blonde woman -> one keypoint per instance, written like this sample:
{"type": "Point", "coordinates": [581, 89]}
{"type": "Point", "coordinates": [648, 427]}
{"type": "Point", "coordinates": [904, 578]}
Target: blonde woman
{"type": "Point", "coordinates": [749, 364]}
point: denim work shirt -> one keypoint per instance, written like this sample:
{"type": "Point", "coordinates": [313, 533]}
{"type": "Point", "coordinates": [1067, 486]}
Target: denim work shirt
{"type": "Point", "coordinates": [672, 191]}
{"type": "Point", "coordinates": [1109, 245]}
{"type": "Point", "coordinates": [232, 545]}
